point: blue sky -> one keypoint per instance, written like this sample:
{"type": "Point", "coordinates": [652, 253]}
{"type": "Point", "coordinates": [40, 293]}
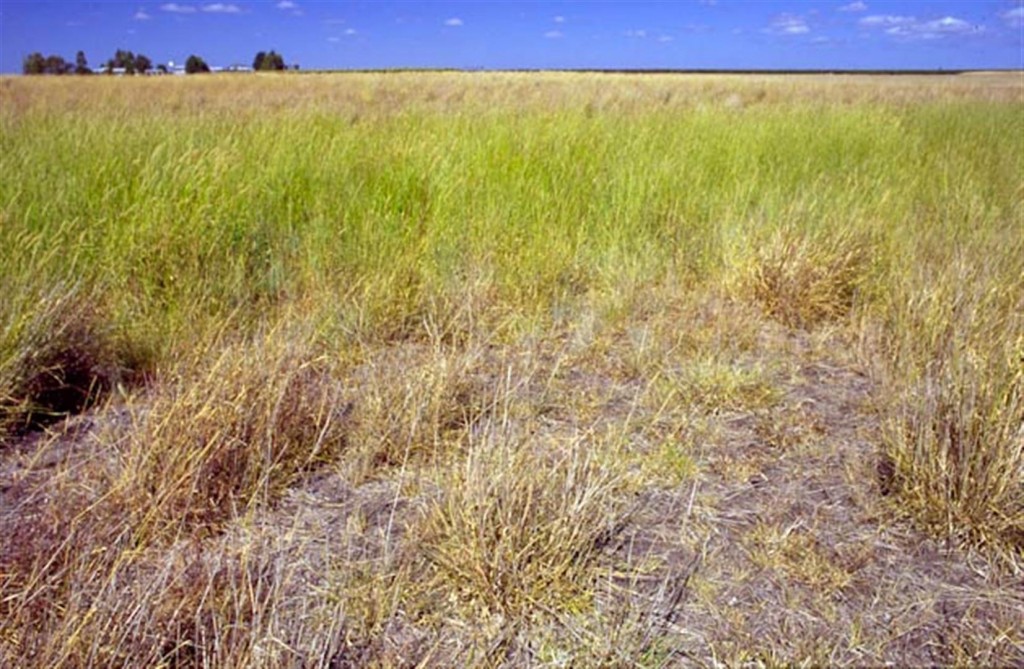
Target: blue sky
{"type": "Point", "coordinates": [855, 34]}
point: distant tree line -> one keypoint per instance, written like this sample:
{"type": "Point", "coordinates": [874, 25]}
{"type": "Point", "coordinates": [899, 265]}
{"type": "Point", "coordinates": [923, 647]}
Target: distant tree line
{"type": "Point", "coordinates": [36, 63]}
{"type": "Point", "coordinates": [130, 63]}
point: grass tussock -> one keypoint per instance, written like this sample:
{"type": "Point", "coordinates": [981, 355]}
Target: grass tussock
{"type": "Point", "coordinates": [518, 527]}
{"type": "Point", "coordinates": [228, 602]}
{"type": "Point", "coordinates": [414, 404]}
{"type": "Point", "coordinates": [228, 435]}
{"type": "Point", "coordinates": [57, 357]}
{"type": "Point", "coordinates": [955, 435]}
{"type": "Point", "coordinates": [804, 279]}
{"type": "Point", "coordinates": [113, 556]}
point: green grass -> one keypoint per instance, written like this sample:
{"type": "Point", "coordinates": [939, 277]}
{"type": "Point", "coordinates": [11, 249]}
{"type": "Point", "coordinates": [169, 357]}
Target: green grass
{"type": "Point", "coordinates": [186, 215]}
{"type": "Point", "coordinates": [360, 272]}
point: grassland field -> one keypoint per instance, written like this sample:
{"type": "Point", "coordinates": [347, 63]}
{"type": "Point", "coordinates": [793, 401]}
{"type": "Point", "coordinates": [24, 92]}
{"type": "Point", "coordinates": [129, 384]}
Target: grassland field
{"type": "Point", "coordinates": [511, 369]}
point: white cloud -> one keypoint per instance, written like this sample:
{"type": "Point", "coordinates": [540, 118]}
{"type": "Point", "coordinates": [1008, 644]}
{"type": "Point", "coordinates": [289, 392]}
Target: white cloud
{"type": "Point", "coordinates": [665, 38]}
{"type": "Point", "coordinates": [1015, 17]}
{"type": "Point", "coordinates": [350, 31]}
{"type": "Point", "coordinates": [946, 26]}
{"type": "Point", "coordinates": [334, 40]}
{"type": "Point", "coordinates": [453, 22]}
{"type": "Point", "coordinates": [639, 34]}
{"type": "Point", "coordinates": [221, 8]}
{"type": "Point", "coordinates": [886, 20]}
{"type": "Point", "coordinates": [141, 15]}
{"type": "Point", "coordinates": [175, 8]}
{"type": "Point", "coordinates": [286, 4]}
{"type": "Point", "coordinates": [857, 6]}
{"type": "Point", "coordinates": [553, 34]}
{"type": "Point", "coordinates": [788, 24]}
{"type": "Point", "coordinates": [911, 28]}
{"type": "Point", "coordinates": [559, 19]}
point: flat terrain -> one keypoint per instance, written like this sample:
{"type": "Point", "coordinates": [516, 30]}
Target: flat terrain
{"type": "Point", "coordinates": [493, 369]}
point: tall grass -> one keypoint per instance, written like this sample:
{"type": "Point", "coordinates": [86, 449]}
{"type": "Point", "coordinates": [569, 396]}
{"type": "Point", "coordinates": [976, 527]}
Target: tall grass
{"type": "Point", "coordinates": [184, 213]}
{"type": "Point", "coordinates": [955, 432]}
{"type": "Point", "coordinates": [239, 261]}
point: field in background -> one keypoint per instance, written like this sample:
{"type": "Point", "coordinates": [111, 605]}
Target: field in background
{"type": "Point", "coordinates": [480, 368]}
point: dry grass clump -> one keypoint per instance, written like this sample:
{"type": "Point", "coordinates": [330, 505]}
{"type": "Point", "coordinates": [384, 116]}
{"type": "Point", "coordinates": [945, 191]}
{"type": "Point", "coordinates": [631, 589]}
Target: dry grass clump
{"type": "Point", "coordinates": [240, 601]}
{"type": "Point", "coordinates": [414, 402]}
{"type": "Point", "coordinates": [56, 357]}
{"type": "Point", "coordinates": [955, 434]}
{"type": "Point", "coordinates": [802, 279]}
{"type": "Point", "coordinates": [55, 560]}
{"type": "Point", "coordinates": [518, 527]}
{"type": "Point", "coordinates": [230, 601]}
{"type": "Point", "coordinates": [957, 443]}
{"type": "Point", "coordinates": [231, 436]}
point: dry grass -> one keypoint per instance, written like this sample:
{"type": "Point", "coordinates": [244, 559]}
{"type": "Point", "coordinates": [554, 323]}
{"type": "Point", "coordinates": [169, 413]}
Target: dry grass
{"type": "Point", "coordinates": [415, 403]}
{"type": "Point", "coordinates": [229, 434]}
{"type": "Point", "coordinates": [803, 280]}
{"type": "Point", "coordinates": [955, 436]}
{"type": "Point", "coordinates": [56, 359]}
{"type": "Point", "coordinates": [205, 446]}
{"type": "Point", "coordinates": [363, 96]}
{"type": "Point", "coordinates": [519, 527]}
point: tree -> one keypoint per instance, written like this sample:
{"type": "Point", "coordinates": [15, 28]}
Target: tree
{"type": "Point", "coordinates": [81, 64]}
{"type": "Point", "coordinates": [122, 59]}
{"type": "Point", "coordinates": [268, 61]}
{"type": "Point", "coordinates": [142, 64]}
{"type": "Point", "coordinates": [56, 65]}
{"type": "Point", "coordinates": [196, 65]}
{"type": "Point", "coordinates": [126, 59]}
{"type": "Point", "coordinates": [276, 61]}
{"type": "Point", "coordinates": [161, 68]}
{"type": "Point", "coordinates": [34, 63]}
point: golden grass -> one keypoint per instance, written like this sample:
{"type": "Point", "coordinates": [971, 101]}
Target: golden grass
{"type": "Point", "coordinates": [229, 433]}
{"type": "Point", "coordinates": [954, 432]}
{"type": "Point", "coordinates": [803, 281]}
{"type": "Point", "coordinates": [517, 529]}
